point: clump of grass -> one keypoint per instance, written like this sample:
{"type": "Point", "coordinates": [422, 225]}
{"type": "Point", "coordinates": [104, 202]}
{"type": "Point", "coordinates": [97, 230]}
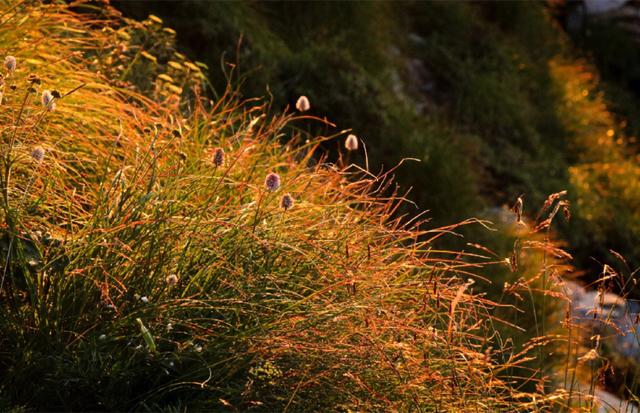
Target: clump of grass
{"type": "Point", "coordinates": [138, 277]}
{"type": "Point", "coordinates": [163, 280]}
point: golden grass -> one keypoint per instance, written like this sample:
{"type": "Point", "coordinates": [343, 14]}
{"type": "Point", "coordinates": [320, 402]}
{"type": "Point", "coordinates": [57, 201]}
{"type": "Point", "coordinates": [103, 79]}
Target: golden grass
{"type": "Point", "coordinates": [335, 304]}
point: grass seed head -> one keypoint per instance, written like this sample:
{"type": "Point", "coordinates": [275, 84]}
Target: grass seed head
{"type": "Point", "coordinates": [272, 182]}
{"type": "Point", "coordinates": [10, 63]}
{"type": "Point", "coordinates": [218, 157]}
{"type": "Point", "coordinates": [351, 143]}
{"type": "Point", "coordinates": [38, 153]}
{"type": "Point", "coordinates": [47, 100]}
{"type": "Point", "coordinates": [172, 280]}
{"type": "Point", "coordinates": [303, 104]}
{"type": "Point", "coordinates": [287, 202]}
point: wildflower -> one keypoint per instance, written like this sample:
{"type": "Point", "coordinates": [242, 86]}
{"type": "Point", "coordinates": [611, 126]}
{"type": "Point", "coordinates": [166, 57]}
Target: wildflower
{"type": "Point", "coordinates": [218, 157]}
{"type": "Point", "coordinates": [144, 299]}
{"type": "Point", "coordinates": [37, 153]}
{"type": "Point", "coordinates": [10, 63]}
{"type": "Point", "coordinates": [351, 143]}
{"type": "Point", "coordinates": [172, 280]}
{"type": "Point", "coordinates": [272, 181]}
{"type": "Point", "coordinates": [287, 202]}
{"type": "Point", "coordinates": [303, 104]}
{"type": "Point", "coordinates": [47, 100]}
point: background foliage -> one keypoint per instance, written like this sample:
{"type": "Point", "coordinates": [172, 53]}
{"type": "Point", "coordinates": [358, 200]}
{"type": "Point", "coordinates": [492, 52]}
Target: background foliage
{"type": "Point", "coordinates": [494, 99]}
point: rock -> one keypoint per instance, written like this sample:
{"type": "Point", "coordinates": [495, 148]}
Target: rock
{"type": "Point", "coordinates": [609, 315]}
{"type": "Point", "coordinates": [613, 318]}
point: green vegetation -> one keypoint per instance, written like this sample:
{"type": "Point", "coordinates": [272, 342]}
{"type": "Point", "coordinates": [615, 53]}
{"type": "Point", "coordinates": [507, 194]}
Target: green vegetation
{"type": "Point", "coordinates": [171, 244]}
{"type": "Point", "coordinates": [492, 98]}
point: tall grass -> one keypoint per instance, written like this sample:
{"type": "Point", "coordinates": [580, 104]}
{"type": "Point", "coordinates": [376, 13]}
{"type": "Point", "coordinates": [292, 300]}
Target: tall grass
{"type": "Point", "coordinates": [143, 272]}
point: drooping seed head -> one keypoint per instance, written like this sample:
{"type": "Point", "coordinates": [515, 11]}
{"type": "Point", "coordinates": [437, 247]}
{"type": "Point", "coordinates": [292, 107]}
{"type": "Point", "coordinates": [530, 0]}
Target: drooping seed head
{"type": "Point", "coordinates": [589, 356]}
{"type": "Point", "coordinates": [34, 79]}
{"type": "Point", "coordinates": [303, 104]}
{"type": "Point", "coordinates": [287, 202]}
{"type": "Point", "coordinates": [38, 153]}
{"type": "Point", "coordinates": [10, 63]}
{"type": "Point", "coordinates": [172, 280]}
{"type": "Point", "coordinates": [351, 143]}
{"type": "Point", "coordinates": [47, 100]}
{"type": "Point", "coordinates": [218, 157]}
{"type": "Point", "coordinates": [272, 181]}
{"type": "Point", "coordinates": [517, 209]}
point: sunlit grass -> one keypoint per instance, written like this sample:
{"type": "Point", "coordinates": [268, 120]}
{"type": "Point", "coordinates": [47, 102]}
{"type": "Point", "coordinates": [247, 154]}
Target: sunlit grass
{"type": "Point", "coordinates": [150, 264]}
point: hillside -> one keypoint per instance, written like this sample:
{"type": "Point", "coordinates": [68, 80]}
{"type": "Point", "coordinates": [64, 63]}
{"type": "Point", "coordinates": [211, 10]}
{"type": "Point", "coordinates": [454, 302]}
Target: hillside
{"type": "Point", "coordinates": [181, 238]}
{"type": "Point", "coordinates": [493, 99]}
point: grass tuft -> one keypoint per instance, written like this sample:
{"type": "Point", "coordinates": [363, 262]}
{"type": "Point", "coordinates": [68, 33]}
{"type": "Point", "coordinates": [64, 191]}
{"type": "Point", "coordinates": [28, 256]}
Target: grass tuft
{"type": "Point", "coordinates": [152, 260]}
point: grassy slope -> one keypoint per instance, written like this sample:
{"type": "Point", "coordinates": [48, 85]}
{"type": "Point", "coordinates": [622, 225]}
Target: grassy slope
{"type": "Point", "coordinates": [332, 305]}
{"type": "Point", "coordinates": [508, 108]}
